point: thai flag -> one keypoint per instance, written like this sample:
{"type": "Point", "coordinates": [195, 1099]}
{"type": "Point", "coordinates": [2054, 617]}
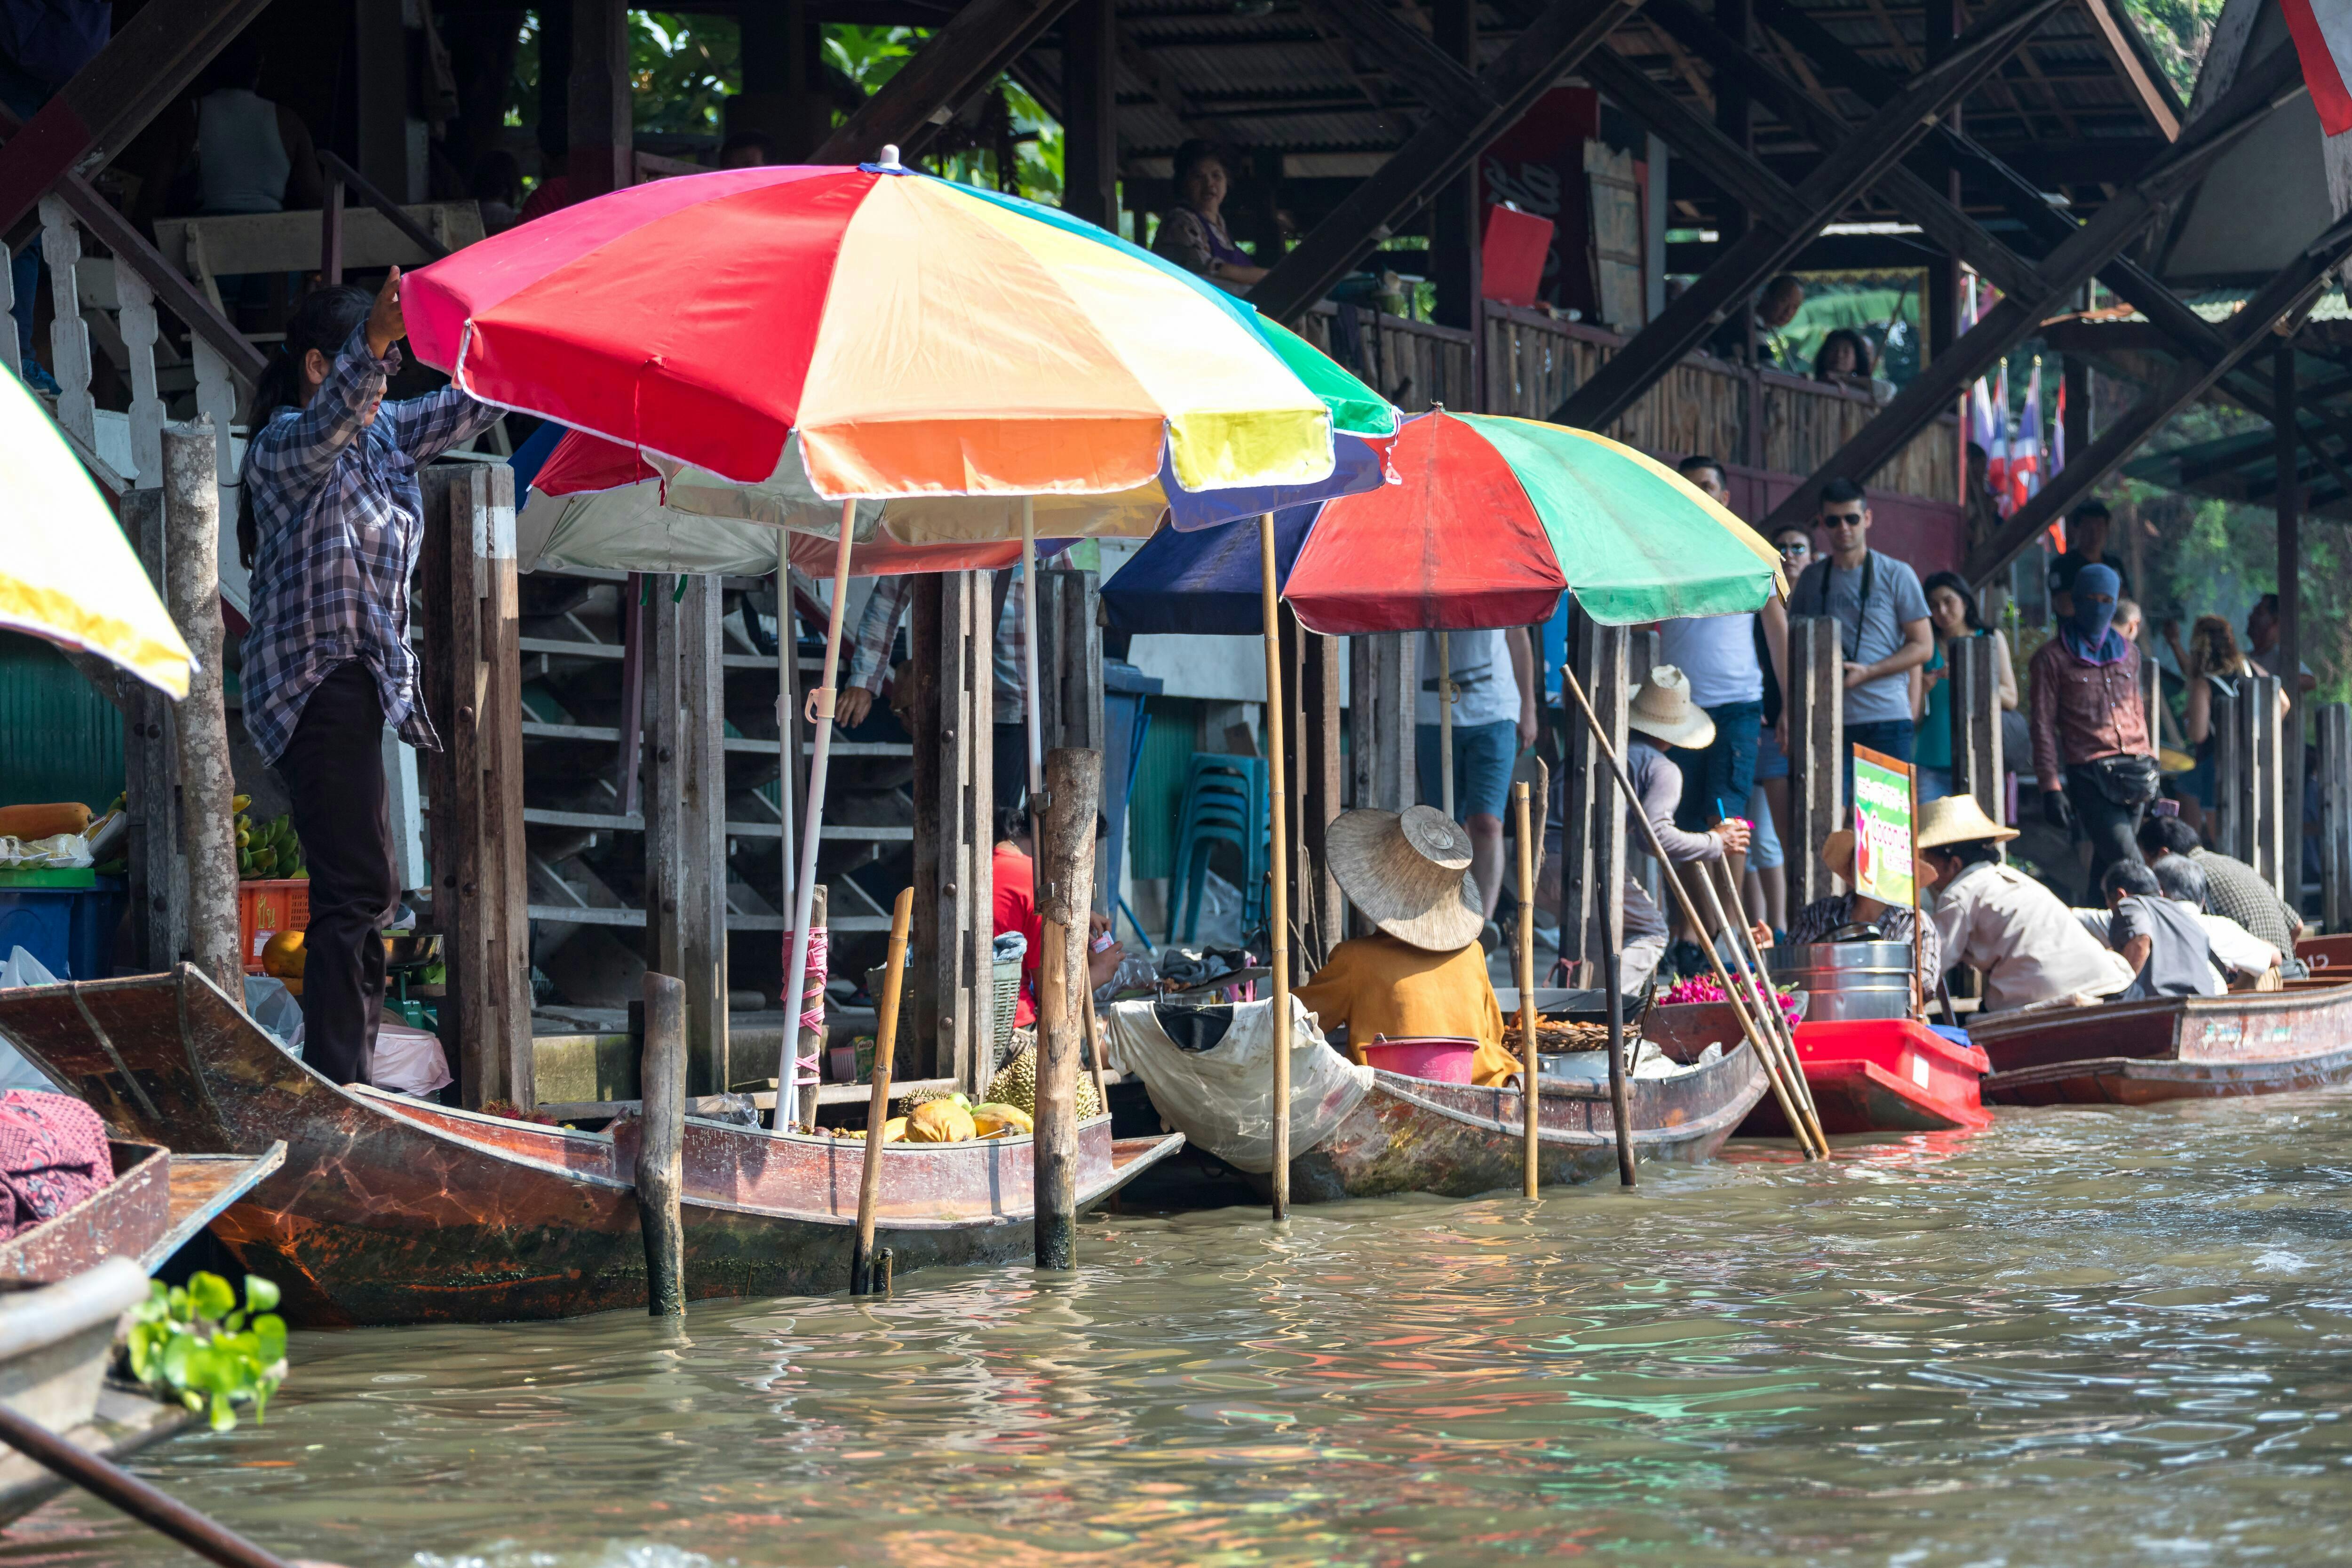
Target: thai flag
{"type": "Point", "coordinates": [1997, 443]}
{"type": "Point", "coordinates": [1980, 421]}
{"type": "Point", "coordinates": [2025, 447]}
{"type": "Point", "coordinates": [2058, 432]}
{"type": "Point", "coordinates": [2323, 42]}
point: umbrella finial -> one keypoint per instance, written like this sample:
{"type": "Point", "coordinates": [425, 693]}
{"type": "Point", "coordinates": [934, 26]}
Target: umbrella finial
{"type": "Point", "coordinates": [890, 156]}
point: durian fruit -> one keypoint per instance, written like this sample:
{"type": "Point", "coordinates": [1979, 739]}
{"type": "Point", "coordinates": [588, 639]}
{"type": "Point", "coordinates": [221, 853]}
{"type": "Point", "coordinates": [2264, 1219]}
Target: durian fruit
{"type": "Point", "coordinates": [1001, 1121]}
{"type": "Point", "coordinates": [940, 1121]}
{"type": "Point", "coordinates": [1015, 1085]}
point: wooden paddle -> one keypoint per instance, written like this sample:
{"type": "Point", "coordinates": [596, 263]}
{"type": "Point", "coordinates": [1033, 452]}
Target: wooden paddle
{"type": "Point", "coordinates": [878, 1104]}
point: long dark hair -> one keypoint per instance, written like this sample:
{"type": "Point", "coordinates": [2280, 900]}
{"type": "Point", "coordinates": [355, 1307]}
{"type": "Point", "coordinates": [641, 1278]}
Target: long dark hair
{"type": "Point", "coordinates": [1958, 584]}
{"type": "Point", "coordinates": [1860, 344]}
{"type": "Point", "coordinates": [325, 321]}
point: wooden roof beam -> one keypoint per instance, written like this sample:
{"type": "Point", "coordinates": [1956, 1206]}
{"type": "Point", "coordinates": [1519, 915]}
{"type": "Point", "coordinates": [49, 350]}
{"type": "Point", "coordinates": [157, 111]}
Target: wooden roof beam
{"type": "Point", "coordinates": [2286, 294]}
{"type": "Point", "coordinates": [976, 47]}
{"type": "Point", "coordinates": [2155, 97]}
{"type": "Point", "coordinates": [1558, 37]}
{"type": "Point", "coordinates": [1862, 160]}
{"type": "Point", "coordinates": [112, 99]}
{"type": "Point", "coordinates": [2274, 81]}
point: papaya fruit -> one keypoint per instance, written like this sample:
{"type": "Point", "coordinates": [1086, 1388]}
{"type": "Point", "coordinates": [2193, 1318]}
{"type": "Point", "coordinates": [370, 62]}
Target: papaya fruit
{"type": "Point", "coordinates": [940, 1121]}
{"type": "Point", "coordinates": [1007, 1121]}
{"type": "Point", "coordinates": [43, 821]}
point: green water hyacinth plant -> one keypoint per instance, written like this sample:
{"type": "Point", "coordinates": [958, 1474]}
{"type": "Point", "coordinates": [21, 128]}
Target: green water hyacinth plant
{"type": "Point", "coordinates": [195, 1344]}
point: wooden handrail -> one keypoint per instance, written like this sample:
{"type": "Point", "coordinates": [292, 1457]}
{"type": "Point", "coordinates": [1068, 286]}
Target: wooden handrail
{"type": "Point", "coordinates": [394, 213]}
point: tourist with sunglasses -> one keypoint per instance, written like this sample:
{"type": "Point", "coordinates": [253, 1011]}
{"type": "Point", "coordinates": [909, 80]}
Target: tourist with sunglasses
{"type": "Point", "coordinates": [1884, 631]}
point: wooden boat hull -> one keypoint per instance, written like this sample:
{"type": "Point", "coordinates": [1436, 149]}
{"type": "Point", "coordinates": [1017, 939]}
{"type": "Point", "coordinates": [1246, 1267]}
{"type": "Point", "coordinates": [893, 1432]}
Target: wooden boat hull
{"type": "Point", "coordinates": [1891, 1075]}
{"type": "Point", "coordinates": [156, 1203]}
{"type": "Point", "coordinates": [1415, 1135]}
{"type": "Point", "coordinates": [390, 1210]}
{"type": "Point", "coordinates": [2179, 1047]}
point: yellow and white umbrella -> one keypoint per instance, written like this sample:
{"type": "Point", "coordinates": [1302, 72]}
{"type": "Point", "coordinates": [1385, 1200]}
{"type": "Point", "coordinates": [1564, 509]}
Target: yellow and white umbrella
{"type": "Point", "coordinates": [66, 572]}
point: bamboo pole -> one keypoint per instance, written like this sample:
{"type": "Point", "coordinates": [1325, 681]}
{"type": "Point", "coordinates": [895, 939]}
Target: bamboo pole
{"type": "Point", "coordinates": [1278, 905]}
{"type": "Point", "coordinates": [1529, 1063]}
{"type": "Point", "coordinates": [1752, 956]}
{"type": "Point", "coordinates": [878, 1104]}
{"type": "Point", "coordinates": [1772, 1068]}
{"type": "Point", "coordinates": [1807, 1128]}
{"type": "Point", "coordinates": [820, 713]}
{"type": "Point", "coordinates": [788, 732]}
{"type": "Point", "coordinates": [1445, 724]}
{"type": "Point", "coordinates": [661, 1148]}
{"type": "Point", "coordinates": [1095, 1047]}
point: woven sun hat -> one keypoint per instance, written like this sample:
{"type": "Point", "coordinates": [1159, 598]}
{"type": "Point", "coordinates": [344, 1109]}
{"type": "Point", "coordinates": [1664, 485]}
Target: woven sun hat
{"type": "Point", "coordinates": [1959, 819]}
{"type": "Point", "coordinates": [1662, 708]}
{"type": "Point", "coordinates": [1410, 873]}
{"type": "Point", "coordinates": [1837, 854]}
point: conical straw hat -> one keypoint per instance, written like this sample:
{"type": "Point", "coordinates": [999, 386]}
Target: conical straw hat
{"type": "Point", "coordinates": [1662, 708]}
{"type": "Point", "coordinates": [1959, 819]}
{"type": "Point", "coordinates": [1410, 873]}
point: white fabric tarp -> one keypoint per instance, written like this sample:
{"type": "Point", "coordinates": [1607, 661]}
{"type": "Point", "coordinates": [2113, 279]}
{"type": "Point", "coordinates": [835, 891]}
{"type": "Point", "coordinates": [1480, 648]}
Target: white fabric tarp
{"type": "Point", "coordinates": [1222, 1098]}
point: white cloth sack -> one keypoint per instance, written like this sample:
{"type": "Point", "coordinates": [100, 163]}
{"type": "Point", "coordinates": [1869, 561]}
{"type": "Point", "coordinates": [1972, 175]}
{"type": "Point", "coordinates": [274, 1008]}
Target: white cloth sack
{"type": "Point", "coordinates": [1222, 1098]}
{"type": "Point", "coordinates": [408, 1061]}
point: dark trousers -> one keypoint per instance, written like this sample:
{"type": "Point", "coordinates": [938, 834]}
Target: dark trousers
{"type": "Point", "coordinates": [1008, 770]}
{"type": "Point", "coordinates": [333, 769]}
{"type": "Point", "coordinates": [2113, 830]}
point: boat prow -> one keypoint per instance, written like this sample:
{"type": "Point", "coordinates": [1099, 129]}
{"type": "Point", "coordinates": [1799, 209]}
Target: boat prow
{"type": "Point", "coordinates": [2173, 1047]}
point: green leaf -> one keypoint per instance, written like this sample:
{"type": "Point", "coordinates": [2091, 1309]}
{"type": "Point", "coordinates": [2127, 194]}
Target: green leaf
{"type": "Point", "coordinates": [224, 1413]}
{"type": "Point", "coordinates": [269, 1334]}
{"type": "Point", "coordinates": [210, 1296]}
{"type": "Point", "coordinates": [260, 1295]}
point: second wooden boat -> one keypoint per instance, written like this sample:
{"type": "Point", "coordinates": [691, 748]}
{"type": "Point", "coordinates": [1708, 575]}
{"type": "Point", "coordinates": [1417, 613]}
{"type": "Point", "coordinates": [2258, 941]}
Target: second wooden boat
{"type": "Point", "coordinates": [2176, 1047]}
{"type": "Point", "coordinates": [1418, 1135]}
{"type": "Point", "coordinates": [392, 1210]}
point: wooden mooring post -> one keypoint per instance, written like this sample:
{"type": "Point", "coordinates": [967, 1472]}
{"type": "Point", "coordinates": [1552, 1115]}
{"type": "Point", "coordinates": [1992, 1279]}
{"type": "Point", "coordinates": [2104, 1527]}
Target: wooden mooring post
{"type": "Point", "coordinates": [1380, 770]}
{"type": "Point", "coordinates": [685, 814]}
{"type": "Point", "coordinates": [952, 637]}
{"type": "Point", "coordinates": [159, 870]}
{"type": "Point", "coordinates": [1812, 715]}
{"type": "Point", "coordinates": [2248, 773]}
{"type": "Point", "coordinates": [1065, 886]}
{"type": "Point", "coordinates": [2335, 815]}
{"type": "Point", "coordinates": [1977, 761]}
{"type": "Point", "coordinates": [1310, 732]}
{"type": "Point", "coordinates": [660, 1152]}
{"type": "Point", "coordinates": [208, 787]}
{"type": "Point", "coordinates": [1592, 840]}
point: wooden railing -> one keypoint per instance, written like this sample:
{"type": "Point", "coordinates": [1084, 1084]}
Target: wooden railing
{"type": "Point", "coordinates": [1760, 419]}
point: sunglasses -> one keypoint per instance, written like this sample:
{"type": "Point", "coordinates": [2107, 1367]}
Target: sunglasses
{"type": "Point", "coordinates": [1842, 520]}
{"type": "Point", "coordinates": [1796, 547]}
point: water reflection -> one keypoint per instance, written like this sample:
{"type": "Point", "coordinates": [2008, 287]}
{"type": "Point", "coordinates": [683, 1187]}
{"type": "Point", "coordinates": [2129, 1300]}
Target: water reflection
{"type": "Point", "coordinates": [2084, 1337]}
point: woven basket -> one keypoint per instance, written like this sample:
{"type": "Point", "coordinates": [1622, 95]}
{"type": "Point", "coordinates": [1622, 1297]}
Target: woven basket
{"type": "Point", "coordinates": [1005, 982]}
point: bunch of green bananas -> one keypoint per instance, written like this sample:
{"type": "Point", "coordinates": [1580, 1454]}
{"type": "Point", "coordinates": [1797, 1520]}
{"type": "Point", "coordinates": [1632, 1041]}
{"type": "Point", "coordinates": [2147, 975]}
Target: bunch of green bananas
{"type": "Point", "coordinates": [269, 850]}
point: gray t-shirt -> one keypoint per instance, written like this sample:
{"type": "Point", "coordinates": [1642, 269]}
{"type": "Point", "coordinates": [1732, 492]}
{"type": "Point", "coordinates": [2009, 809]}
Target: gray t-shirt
{"type": "Point", "coordinates": [2180, 956]}
{"type": "Point", "coordinates": [1872, 628]}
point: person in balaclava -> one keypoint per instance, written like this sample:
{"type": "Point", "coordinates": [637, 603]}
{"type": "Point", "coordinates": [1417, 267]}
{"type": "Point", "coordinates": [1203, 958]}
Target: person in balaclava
{"type": "Point", "coordinates": [2091, 748]}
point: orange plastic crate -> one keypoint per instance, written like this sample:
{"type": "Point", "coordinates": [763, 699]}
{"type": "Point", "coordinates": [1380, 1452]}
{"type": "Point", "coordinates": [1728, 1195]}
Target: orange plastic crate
{"type": "Point", "coordinates": [266, 907]}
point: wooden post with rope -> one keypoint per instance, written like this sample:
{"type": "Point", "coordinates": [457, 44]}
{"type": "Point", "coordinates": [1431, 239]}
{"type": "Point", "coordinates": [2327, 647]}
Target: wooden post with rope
{"type": "Point", "coordinates": [1529, 1062]}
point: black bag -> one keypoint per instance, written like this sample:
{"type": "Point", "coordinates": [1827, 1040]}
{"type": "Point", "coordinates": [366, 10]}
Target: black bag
{"type": "Point", "coordinates": [2126, 781]}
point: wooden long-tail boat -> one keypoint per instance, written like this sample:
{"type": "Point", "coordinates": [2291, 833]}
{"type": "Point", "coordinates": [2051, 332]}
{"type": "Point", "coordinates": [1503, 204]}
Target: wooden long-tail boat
{"type": "Point", "coordinates": [2176, 1047]}
{"type": "Point", "coordinates": [392, 1210]}
{"type": "Point", "coordinates": [1418, 1135]}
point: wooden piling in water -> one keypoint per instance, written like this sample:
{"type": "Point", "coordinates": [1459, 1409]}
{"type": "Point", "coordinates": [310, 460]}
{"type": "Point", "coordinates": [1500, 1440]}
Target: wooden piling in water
{"type": "Point", "coordinates": [1064, 879]}
{"type": "Point", "coordinates": [208, 823]}
{"type": "Point", "coordinates": [1529, 1062]}
{"type": "Point", "coordinates": [878, 1104]}
{"type": "Point", "coordinates": [660, 1176]}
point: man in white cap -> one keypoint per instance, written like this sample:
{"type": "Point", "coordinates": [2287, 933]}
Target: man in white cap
{"type": "Point", "coordinates": [2028, 944]}
{"type": "Point", "coordinates": [1425, 974]}
{"type": "Point", "coordinates": [1661, 717]}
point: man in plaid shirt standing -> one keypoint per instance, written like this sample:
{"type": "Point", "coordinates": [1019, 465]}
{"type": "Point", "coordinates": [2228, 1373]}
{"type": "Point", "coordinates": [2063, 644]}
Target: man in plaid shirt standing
{"type": "Point", "coordinates": [331, 524]}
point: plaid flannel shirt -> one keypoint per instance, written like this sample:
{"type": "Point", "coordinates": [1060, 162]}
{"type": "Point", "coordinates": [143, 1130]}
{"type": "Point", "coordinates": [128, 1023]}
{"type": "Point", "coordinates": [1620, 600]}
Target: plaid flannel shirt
{"type": "Point", "coordinates": [339, 518]}
{"type": "Point", "coordinates": [870, 650]}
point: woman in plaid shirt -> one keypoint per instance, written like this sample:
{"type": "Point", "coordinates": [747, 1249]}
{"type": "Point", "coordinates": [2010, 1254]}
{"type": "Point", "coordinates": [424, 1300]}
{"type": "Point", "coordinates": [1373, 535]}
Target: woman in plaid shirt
{"type": "Point", "coordinates": [329, 529]}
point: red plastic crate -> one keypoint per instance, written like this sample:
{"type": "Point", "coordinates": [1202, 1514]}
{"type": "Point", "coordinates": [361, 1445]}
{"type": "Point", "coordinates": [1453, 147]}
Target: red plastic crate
{"type": "Point", "coordinates": [265, 907]}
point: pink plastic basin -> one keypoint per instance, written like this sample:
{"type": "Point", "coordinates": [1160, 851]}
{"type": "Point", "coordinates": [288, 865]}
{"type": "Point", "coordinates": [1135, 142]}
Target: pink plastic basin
{"type": "Point", "coordinates": [1442, 1057]}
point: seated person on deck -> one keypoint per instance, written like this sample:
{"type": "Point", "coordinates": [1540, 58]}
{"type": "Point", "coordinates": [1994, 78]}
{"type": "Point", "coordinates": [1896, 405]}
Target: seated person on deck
{"type": "Point", "coordinates": [1425, 974]}
{"type": "Point", "coordinates": [1819, 920]}
{"type": "Point", "coordinates": [2162, 941]}
{"type": "Point", "coordinates": [1016, 910]}
{"type": "Point", "coordinates": [2027, 945]}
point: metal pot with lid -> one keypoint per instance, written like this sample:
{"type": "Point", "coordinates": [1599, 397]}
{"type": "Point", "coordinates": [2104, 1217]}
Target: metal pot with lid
{"type": "Point", "coordinates": [1861, 978]}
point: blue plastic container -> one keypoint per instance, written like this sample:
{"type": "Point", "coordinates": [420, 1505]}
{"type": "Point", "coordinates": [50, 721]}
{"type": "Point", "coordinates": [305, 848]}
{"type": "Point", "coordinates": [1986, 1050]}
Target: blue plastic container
{"type": "Point", "coordinates": [69, 930]}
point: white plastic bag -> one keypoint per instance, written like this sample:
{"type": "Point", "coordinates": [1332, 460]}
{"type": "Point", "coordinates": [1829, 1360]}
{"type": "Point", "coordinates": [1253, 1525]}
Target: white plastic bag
{"type": "Point", "coordinates": [1222, 1098]}
{"type": "Point", "coordinates": [278, 1010]}
{"type": "Point", "coordinates": [408, 1061]}
{"type": "Point", "coordinates": [22, 969]}
{"type": "Point", "coordinates": [57, 850]}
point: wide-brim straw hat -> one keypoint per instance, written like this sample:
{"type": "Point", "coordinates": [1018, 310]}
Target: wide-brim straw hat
{"type": "Point", "coordinates": [1410, 873]}
{"type": "Point", "coordinates": [1837, 854]}
{"type": "Point", "coordinates": [1959, 819]}
{"type": "Point", "coordinates": [1661, 707]}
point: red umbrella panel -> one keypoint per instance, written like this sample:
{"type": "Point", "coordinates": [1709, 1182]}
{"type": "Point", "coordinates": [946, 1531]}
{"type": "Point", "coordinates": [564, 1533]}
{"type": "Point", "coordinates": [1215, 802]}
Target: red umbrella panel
{"type": "Point", "coordinates": [1452, 545]}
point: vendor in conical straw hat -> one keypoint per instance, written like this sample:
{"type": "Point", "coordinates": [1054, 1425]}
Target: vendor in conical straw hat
{"type": "Point", "coordinates": [1991, 915]}
{"type": "Point", "coordinates": [1424, 973]}
{"type": "Point", "coordinates": [1821, 918]}
{"type": "Point", "coordinates": [1660, 718]}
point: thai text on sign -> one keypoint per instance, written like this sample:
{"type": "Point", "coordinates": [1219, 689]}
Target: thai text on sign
{"type": "Point", "coordinates": [1883, 860]}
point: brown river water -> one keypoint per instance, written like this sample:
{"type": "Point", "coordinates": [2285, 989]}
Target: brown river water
{"type": "Point", "coordinates": [2080, 1337]}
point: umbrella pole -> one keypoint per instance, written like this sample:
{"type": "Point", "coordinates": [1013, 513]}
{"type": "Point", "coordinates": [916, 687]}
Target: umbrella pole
{"type": "Point", "coordinates": [1278, 833]}
{"type": "Point", "coordinates": [1773, 1070]}
{"type": "Point", "coordinates": [796, 960]}
{"type": "Point", "coordinates": [788, 732]}
{"type": "Point", "coordinates": [1444, 724]}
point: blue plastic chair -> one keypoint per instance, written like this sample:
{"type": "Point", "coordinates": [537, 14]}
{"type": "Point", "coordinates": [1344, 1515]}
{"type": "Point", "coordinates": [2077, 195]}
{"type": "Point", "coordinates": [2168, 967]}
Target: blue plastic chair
{"type": "Point", "coordinates": [1226, 799]}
